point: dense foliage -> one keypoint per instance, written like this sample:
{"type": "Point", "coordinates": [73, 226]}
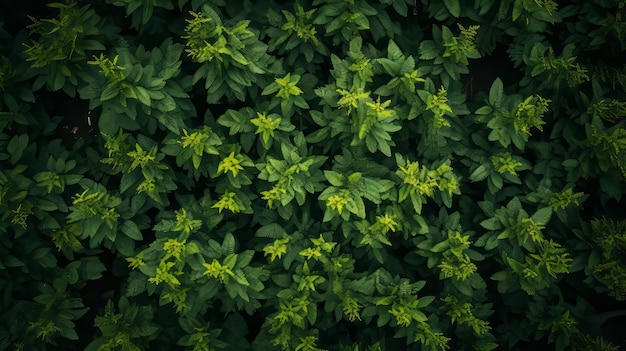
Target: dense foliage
{"type": "Point", "coordinates": [312, 175]}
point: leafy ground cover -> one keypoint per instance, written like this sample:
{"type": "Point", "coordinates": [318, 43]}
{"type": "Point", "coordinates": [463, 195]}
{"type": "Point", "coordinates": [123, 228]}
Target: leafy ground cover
{"type": "Point", "coordinates": [312, 175]}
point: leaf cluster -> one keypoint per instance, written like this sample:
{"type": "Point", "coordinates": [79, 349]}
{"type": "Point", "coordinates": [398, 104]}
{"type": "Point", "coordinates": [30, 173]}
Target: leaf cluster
{"type": "Point", "coordinates": [323, 175]}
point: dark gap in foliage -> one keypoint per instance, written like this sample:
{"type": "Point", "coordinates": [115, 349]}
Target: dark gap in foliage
{"type": "Point", "coordinates": [78, 122]}
{"type": "Point", "coordinates": [483, 71]}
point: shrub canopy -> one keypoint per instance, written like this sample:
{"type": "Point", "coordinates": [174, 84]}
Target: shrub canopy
{"type": "Point", "coordinates": [312, 175]}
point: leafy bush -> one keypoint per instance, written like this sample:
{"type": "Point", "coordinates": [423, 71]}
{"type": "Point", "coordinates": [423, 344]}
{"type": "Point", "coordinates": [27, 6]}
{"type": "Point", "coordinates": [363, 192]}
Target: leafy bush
{"type": "Point", "coordinates": [322, 175]}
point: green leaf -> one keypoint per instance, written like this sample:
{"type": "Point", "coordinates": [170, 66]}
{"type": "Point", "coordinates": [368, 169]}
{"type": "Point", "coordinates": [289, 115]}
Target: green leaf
{"type": "Point", "coordinates": [16, 147]}
{"type": "Point", "coordinates": [270, 89]}
{"type": "Point", "coordinates": [129, 180]}
{"type": "Point", "coordinates": [570, 163]}
{"type": "Point", "coordinates": [481, 173]}
{"type": "Point", "coordinates": [111, 122]}
{"type": "Point", "coordinates": [110, 92]}
{"type": "Point", "coordinates": [416, 200]}
{"type": "Point", "coordinates": [440, 247]}
{"type": "Point", "coordinates": [12, 261]}
{"type": "Point", "coordinates": [385, 301]}
{"type": "Point", "coordinates": [230, 261]}
{"type": "Point", "coordinates": [453, 6]}
{"type": "Point", "coordinates": [69, 333]}
{"type": "Point", "coordinates": [517, 10]}
{"type": "Point", "coordinates": [143, 96]}
{"type": "Point", "coordinates": [91, 268]}
{"type": "Point", "coordinates": [393, 51]}
{"type": "Point", "coordinates": [496, 93]}
{"type": "Point", "coordinates": [423, 225]}
{"type": "Point", "coordinates": [542, 215]}
{"type": "Point", "coordinates": [272, 231]}
{"type": "Point", "coordinates": [130, 229]}
{"type": "Point", "coordinates": [228, 245]}
{"type": "Point", "coordinates": [167, 104]}
{"type": "Point", "coordinates": [491, 224]}
{"type": "Point", "coordinates": [484, 110]}
{"type": "Point", "coordinates": [334, 178]}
